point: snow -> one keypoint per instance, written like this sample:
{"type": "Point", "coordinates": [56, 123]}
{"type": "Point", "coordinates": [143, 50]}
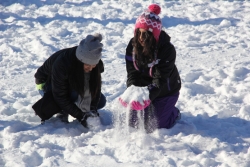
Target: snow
{"type": "Point", "coordinates": [212, 39]}
{"type": "Point", "coordinates": [135, 94]}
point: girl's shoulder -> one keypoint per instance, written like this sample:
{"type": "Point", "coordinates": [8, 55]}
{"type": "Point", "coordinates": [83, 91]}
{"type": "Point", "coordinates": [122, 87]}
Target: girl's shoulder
{"type": "Point", "coordinates": [164, 37]}
{"type": "Point", "coordinates": [130, 45]}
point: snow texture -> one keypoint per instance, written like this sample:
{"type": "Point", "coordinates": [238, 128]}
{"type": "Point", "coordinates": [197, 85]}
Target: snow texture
{"type": "Point", "coordinates": [212, 40]}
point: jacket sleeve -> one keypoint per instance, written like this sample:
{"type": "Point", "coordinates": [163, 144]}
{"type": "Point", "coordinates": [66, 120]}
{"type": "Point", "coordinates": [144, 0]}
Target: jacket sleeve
{"type": "Point", "coordinates": [61, 89]}
{"type": "Point", "coordinates": [133, 75]}
{"type": "Point", "coordinates": [163, 70]}
{"type": "Point", "coordinates": [43, 73]}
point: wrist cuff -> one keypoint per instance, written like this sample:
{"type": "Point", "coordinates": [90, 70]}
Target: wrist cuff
{"type": "Point", "coordinates": [40, 86]}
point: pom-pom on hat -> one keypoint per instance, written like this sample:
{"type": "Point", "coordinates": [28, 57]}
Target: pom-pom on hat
{"type": "Point", "coordinates": [150, 21]}
{"type": "Point", "coordinates": [89, 50]}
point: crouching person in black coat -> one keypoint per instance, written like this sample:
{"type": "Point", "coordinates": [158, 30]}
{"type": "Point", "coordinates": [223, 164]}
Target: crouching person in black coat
{"type": "Point", "coordinates": [70, 82]}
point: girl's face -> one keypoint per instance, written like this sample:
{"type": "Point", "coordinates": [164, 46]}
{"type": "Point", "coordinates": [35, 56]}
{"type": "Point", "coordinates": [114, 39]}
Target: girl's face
{"type": "Point", "coordinates": [142, 36]}
{"type": "Point", "coordinates": [87, 67]}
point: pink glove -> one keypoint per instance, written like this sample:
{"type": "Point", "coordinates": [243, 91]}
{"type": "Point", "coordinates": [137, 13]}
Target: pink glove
{"type": "Point", "coordinates": [135, 105]}
{"type": "Point", "coordinates": [125, 104]}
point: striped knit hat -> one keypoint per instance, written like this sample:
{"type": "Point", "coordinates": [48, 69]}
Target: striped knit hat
{"type": "Point", "coordinates": [149, 20]}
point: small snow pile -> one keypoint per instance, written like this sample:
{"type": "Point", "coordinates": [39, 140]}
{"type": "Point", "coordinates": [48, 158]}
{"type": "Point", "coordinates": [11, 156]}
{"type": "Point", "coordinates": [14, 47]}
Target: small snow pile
{"type": "Point", "coordinates": [94, 123]}
{"type": "Point", "coordinates": [225, 23]}
{"type": "Point", "coordinates": [134, 93]}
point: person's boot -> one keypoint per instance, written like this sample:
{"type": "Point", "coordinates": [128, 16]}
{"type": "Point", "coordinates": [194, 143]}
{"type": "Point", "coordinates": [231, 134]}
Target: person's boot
{"type": "Point", "coordinates": [179, 115]}
{"type": "Point", "coordinates": [177, 118]}
{"type": "Point", "coordinates": [63, 116]}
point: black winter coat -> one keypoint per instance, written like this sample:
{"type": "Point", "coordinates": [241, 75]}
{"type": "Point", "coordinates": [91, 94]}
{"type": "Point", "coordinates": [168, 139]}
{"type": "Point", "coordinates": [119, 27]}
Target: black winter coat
{"type": "Point", "coordinates": [164, 74]}
{"type": "Point", "coordinates": [55, 72]}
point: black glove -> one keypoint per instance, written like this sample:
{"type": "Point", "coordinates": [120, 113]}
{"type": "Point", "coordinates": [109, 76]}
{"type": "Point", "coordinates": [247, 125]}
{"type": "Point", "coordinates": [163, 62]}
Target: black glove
{"type": "Point", "coordinates": [86, 115]}
{"type": "Point", "coordinates": [93, 109]}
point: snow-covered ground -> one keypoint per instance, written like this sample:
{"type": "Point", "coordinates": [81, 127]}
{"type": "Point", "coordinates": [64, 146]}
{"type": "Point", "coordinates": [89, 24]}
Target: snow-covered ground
{"type": "Point", "coordinates": [212, 39]}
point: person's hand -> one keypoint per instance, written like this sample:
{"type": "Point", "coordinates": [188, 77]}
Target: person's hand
{"type": "Point", "coordinates": [123, 103]}
{"type": "Point", "coordinates": [137, 98]}
{"type": "Point", "coordinates": [136, 105]}
{"type": "Point", "coordinates": [39, 84]}
{"type": "Point", "coordinates": [94, 111]}
{"type": "Point", "coordinates": [152, 86]}
{"type": "Point", "coordinates": [86, 115]}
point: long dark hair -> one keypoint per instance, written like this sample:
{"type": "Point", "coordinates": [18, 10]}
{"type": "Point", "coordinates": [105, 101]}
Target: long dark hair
{"type": "Point", "coordinates": [144, 54]}
{"type": "Point", "coordinates": [95, 81]}
{"type": "Point", "coordinates": [76, 78]}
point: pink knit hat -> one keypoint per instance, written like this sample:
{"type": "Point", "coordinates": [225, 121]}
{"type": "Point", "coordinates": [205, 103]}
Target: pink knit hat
{"type": "Point", "coordinates": [149, 20]}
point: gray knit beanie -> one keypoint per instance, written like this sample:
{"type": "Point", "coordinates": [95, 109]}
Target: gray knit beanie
{"type": "Point", "coordinates": [89, 49]}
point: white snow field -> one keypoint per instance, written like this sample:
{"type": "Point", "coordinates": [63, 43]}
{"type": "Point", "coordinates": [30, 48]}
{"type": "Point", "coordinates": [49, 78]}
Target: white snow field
{"type": "Point", "coordinates": [212, 40]}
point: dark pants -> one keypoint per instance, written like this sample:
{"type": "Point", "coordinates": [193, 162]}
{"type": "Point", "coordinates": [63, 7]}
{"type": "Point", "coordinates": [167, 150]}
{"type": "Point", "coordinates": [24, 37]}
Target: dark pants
{"type": "Point", "coordinates": [102, 102]}
{"type": "Point", "coordinates": [166, 112]}
{"type": "Point", "coordinates": [162, 113]}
